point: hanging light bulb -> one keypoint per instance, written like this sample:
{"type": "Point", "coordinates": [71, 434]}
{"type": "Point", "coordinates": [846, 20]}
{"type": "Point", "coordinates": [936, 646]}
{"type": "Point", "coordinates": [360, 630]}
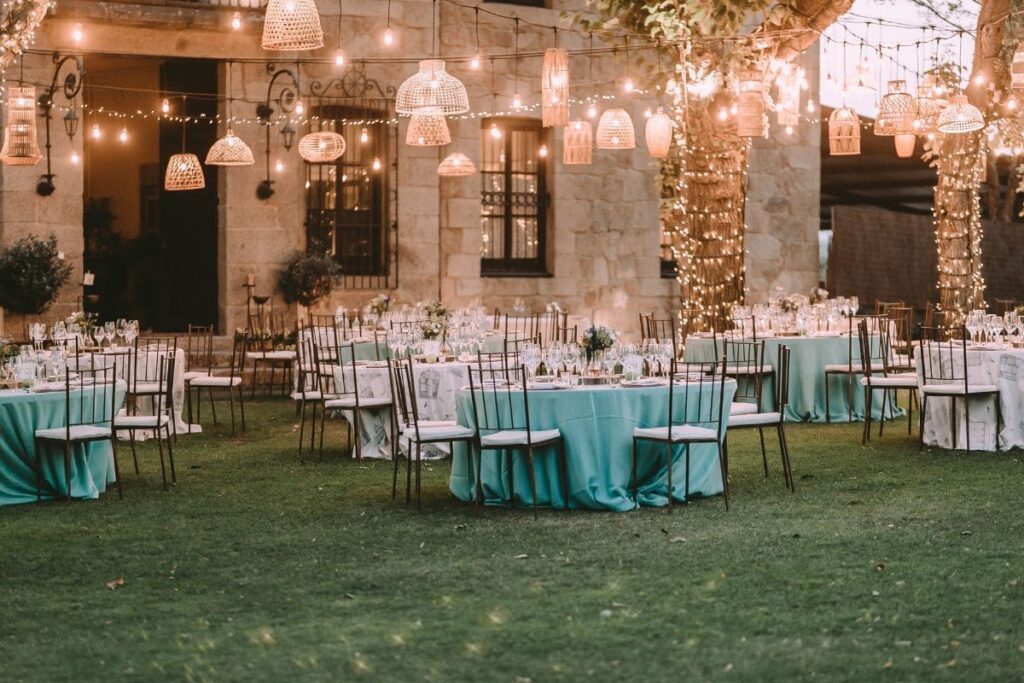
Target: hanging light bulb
{"type": "Point", "coordinates": [279, 166]}
{"type": "Point", "coordinates": [810, 106]}
{"type": "Point", "coordinates": [376, 163]}
{"type": "Point", "coordinates": [77, 34]}
{"type": "Point", "coordinates": [299, 107]}
{"type": "Point", "coordinates": [123, 135]}
{"type": "Point", "coordinates": [648, 113]}
{"type": "Point", "coordinates": [236, 21]}
{"type": "Point", "coordinates": [789, 130]}
{"type": "Point", "coordinates": [495, 131]}
{"type": "Point", "coordinates": [474, 63]}
{"type": "Point", "coordinates": [543, 151]}
{"type": "Point", "coordinates": [628, 85]}
{"type": "Point", "coordinates": [389, 38]}
{"type": "Point", "coordinates": [979, 78]}
{"type": "Point", "coordinates": [339, 57]}
{"type": "Point", "coordinates": [364, 136]}
{"type": "Point", "coordinates": [97, 132]}
{"type": "Point", "coordinates": [592, 111]}
{"type": "Point", "coordinates": [517, 103]}
{"type": "Point", "coordinates": [165, 106]}
{"type": "Point", "coordinates": [74, 158]}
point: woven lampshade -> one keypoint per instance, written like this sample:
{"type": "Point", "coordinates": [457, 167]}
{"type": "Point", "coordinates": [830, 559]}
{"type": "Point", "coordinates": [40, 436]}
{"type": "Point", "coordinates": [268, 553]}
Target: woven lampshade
{"type": "Point", "coordinates": [844, 132]}
{"type": "Point", "coordinates": [230, 150]}
{"type": "Point", "coordinates": [1017, 68]}
{"type": "Point", "coordinates": [432, 86]}
{"type": "Point", "coordinates": [615, 130]}
{"type": "Point", "coordinates": [184, 173]}
{"type": "Point", "coordinates": [20, 146]}
{"type": "Point", "coordinates": [292, 25]}
{"type": "Point", "coordinates": [554, 83]}
{"type": "Point", "coordinates": [897, 111]}
{"type": "Point", "coordinates": [658, 134]}
{"type": "Point", "coordinates": [456, 165]}
{"type": "Point", "coordinates": [960, 116]}
{"type": "Point", "coordinates": [905, 145]}
{"type": "Point", "coordinates": [750, 119]}
{"type": "Point", "coordinates": [578, 143]}
{"type": "Point", "coordinates": [931, 99]}
{"type": "Point", "coordinates": [323, 147]}
{"type": "Point", "coordinates": [428, 128]}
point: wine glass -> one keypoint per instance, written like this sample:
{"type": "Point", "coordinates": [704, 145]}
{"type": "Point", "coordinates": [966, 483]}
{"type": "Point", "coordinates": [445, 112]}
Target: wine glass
{"type": "Point", "coordinates": [611, 358]}
{"type": "Point", "coordinates": [531, 358]}
{"type": "Point", "coordinates": [571, 355]}
{"type": "Point", "coordinates": [553, 358]}
{"type": "Point", "coordinates": [973, 324]}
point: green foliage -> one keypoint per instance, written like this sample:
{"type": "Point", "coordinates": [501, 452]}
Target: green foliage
{"type": "Point", "coordinates": [31, 275]}
{"type": "Point", "coordinates": [307, 278]}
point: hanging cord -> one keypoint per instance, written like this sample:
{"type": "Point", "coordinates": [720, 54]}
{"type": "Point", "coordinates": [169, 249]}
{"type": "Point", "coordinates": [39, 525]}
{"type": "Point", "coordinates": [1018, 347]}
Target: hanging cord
{"type": "Point", "coordinates": [184, 116]}
{"type": "Point", "coordinates": [516, 58]}
{"type": "Point", "coordinates": [476, 23]}
{"type": "Point", "coordinates": [590, 68]}
{"type": "Point", "coordinates": [433, 29]}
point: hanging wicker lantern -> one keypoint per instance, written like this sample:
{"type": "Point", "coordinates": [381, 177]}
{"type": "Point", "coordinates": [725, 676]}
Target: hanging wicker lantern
{"type": "Point", "coordinates": [931, 98]}
{"type": "Point", "coordinates": [230, 150]}
{"type": "Point", "coordinates": [750, 119]}
{"type": "Point", "coordinates": [960, 116]}
{"type": "Point", "coordinates": [554, 83]}
{"type": "Point", "coordinates": [20, 146]}
{"type": "Point", "coordinates": [184, 173]}
{"type": "Point", "coordinates": [292, 25]}
{"type": "Point", "coordinates": [897, 111]}
{"type": "Point", "coordinates": [1017, 68]}
{"type": "Point", "coordinates": [905, 145]}
{"type": "Point", "coordinates": [844, 132]}
{"type": "Point", "coordinates": [428, 128]}
{"type": "Point", "coordinates": [432, 86]}
{"type": "Point", "coordinates": [456, 165]}
{"type": "Point", "coordinates": [787, 106]}
{"type": "Point", "coordinates": [578, 143]}
{"type": "Point", "coordinates": [658, 134]}
{"type": "Point", "coordinates": [615, 130]}
{"type": "Point", "coordinates": [322, 147]}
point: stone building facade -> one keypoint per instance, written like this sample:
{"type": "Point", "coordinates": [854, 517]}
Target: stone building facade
{"type": "Point", "coordinates": [602, 250]}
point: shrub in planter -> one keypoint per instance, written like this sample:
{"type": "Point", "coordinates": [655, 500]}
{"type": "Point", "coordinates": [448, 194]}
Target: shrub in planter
{"type": "Point", "coordinates": [307, 278]}
{"type": "Point", "coordinates": [31, 275]}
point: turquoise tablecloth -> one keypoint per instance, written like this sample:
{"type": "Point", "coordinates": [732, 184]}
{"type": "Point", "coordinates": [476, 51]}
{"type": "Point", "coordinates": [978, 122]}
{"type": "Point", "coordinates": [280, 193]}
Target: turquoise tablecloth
{"type": "Point", "coordinates": [21, 413]}
{"type": "Point", "coordinates": [597, 425]}
{"type": "Point", "coordinates": [808, 358]}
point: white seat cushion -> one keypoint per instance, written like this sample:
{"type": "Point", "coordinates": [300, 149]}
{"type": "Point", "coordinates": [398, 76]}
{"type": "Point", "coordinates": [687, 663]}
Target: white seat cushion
{"type": "Point", "coordinates": [271, 355]}
{"type": "Point", "coordinates": [755, 419]}
{"type": "Point", "coordinates": [957, 389]}
{"type": "Point", "coordinates": [740, 408]}
{"type": "Point", "coordinates": [216, 381]}
{"type": "Point", "coordinates": [518, 437]}
{"type": "Point", "coordinates": [192, 374]}
{"type": "Point", "coordinates": [78, 433]}
{"type": "Point", "coordinates": [438, 433]}
{"type": "Point", "coordinates": [140, 421]}
{"type": "Point", "coordinates": [679, 433]}
{"type": "Point", "coordinates": [146, 388]}
{"type": "Point", "coordinates": [904, 381]}
{"type": "Point", "coordinates": [312, 395]}
{"type": "Point", "coordinates": [845, 367]}
{"type": "Point", "coordinates": [364, 402]}
{"type": "Point", "coordinates": [750, 369]}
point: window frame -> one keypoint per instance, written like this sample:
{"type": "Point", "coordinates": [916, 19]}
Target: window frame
{"type": "Point", "coordinates": [509, 266]}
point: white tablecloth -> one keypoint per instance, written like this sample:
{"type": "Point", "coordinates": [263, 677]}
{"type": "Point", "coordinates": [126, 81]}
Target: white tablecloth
{"type": "Point", "coordinates": [1001, 367]}
{"type": "Point", "coordinates": [437, 385]}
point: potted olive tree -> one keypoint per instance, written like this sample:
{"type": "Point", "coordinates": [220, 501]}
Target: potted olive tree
{"type": "Point", "coordinates": [307, 278]}
{"type": "Point", "coordinates": [32, 274]}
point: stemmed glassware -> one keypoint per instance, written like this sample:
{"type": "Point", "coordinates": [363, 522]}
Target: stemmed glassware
{"type": "Point", "coordinates": [531, 358]}
{"type": "Point", "coordinates": [553, 358]}
{"type": "Point", "coordinates": [974, 323]}
{"type": "Point", "coordinates": [571, 355]}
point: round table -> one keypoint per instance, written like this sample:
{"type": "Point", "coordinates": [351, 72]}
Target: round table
{"type": "Point", "coordinates": [808, 358]}
{"type": "Point", "coordinates": [597, 424]}
{"type": "Point", "coordinates": [21, 414]}
{"type": "Point", "coordinates": [1003, 367]}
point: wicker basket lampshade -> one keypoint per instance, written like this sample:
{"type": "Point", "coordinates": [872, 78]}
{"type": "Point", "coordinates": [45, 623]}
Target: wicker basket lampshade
{"type": "Point", "coordinates": [292, 25]}
{"type": "Point", "coordinates": [230, 150]}
{"type": "Point", "coordinates": [897, 112]}
{"type": "Point", "coordinates": [184, 173]}
{"type": "Point", "coordinates": [323, 147]}
{"type": "Point", "coordinates": [428, 128]}
{"type": "Point", "coordinates": [578, 143]}
{"type": "Point", "coordinates": [931, 99]}
{"type": "Point", "coordinates": [20, 146]}
{"type": "Point", "coordinates": [615, 130]}
{"type": "Point", "coordinates": [554, 82]}
{"type": "Point", "coordinates": [960, 116]}
{"type": "Point", "coordinates": [1017, 68]}
{"type": "Point", "coordinates": [751, 121]}
{"type": "Point", "coordinates": [658, 134]}
{"type": "Point", "coordinates": [456, 165]}
{"type": "Point", "coordinates": [432, 86]}
{"type": "Point", "coordinates": [844, 132]}
{"type": "Point", "coordinates": [905, 145]}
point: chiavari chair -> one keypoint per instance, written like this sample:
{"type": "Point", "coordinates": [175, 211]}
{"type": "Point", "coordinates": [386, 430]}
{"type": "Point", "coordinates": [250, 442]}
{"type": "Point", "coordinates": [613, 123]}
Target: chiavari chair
{"type": "Point", "coordinates": [307, 390]}
{"type": "Point", "coordinates": [159, 422]}
{"type": "Point", "coordinates": [887, 380]}
{"type": "Point", "coordinates": [882, 307]}
{"type": "Point", "coordinates": [198, 357]}
{"type": "Point", "coordinates": [230, 383]}
{"type": "Point", "coordinates": [853, 366]}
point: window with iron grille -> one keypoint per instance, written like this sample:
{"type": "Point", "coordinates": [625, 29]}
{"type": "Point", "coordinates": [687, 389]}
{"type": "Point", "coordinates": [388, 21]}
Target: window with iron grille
{"type": "Point", "coordinates": [349, 212]}
{"type": "Point", "coordinates": [514, 200]}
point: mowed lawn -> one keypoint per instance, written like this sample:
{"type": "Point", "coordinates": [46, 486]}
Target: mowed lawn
{"type": "Point", "coordinates": [887, 564]}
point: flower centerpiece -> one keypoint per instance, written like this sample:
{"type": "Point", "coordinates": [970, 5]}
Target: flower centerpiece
{"type": "Point", "coordinates": [793, 303]}
{"type": "Point", "coordinates": [380, 304]}
{"type": "Point", "coordinates": [819, 295]}
{"type": "Point", "coordinates": [598, 338]}
{"type": "Point", "coordinates": [433, 328]}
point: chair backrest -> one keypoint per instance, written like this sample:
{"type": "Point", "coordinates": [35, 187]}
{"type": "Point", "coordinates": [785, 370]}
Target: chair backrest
{"type": "Point", "coordinates": [514, 346]}
{"type": "Point", "coordinates": [506, 362]}
{"type": "Point", "coordinates": [897, 346]}
{"type": "Point", "coordinates": [403, 393]}
{"type": "Point", "coordinates": [697, 395]}
{"type": "Point", "coordinates": [164, 400]}
{"type": "Point", "coordinates": [882, 307]}
{"type": "Point", "coordinates": [552, 325]}
{"type": "Point", "coordinates": [90, 398]}
{"type": "Point", "coordinates": [199, 348]}
{"type": "Point", "coordinates": [873, 324]}
{"type": "Point", "coordinates": [146, 354]}
{"type": "Point", "coordinates": [568, 335]}
{"type": "Point", "coordinates": [496, 394]}
{"type": "Point", "coordinates": [522, 326]}
{"type": "Point", "coordinates": [238, 348]}
{"type": "Point", "coordinates": [307, 380]}
{"type": "Point", "coordinates": [406, 326]}
{"type": "Point", "coordinates": [659, 328]}
{"type": "Point", "coordinates": [943, 357]}
{"type": "Point", "coordinates": [782, 380]}
{"type": "Point", "coordinates": [744, 360]}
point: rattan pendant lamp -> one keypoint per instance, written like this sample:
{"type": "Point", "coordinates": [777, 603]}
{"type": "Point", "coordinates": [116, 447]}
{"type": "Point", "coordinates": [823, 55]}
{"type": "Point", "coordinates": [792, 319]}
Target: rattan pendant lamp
{"type": "Point", "coordinates": [20, 146]}
{"type": "Point", "coordinates": [230, 150]}
{"type": "Point", "coordinates": [292, 25]}
{"type": "Point", "coordinates": [432, 85]}
{"type": "Point", "coordinates": [184, 172]}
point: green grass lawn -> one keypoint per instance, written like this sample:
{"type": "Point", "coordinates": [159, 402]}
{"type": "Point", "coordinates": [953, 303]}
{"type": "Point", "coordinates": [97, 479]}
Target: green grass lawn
{"type": "Point", "coordinates": [888, 563]}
